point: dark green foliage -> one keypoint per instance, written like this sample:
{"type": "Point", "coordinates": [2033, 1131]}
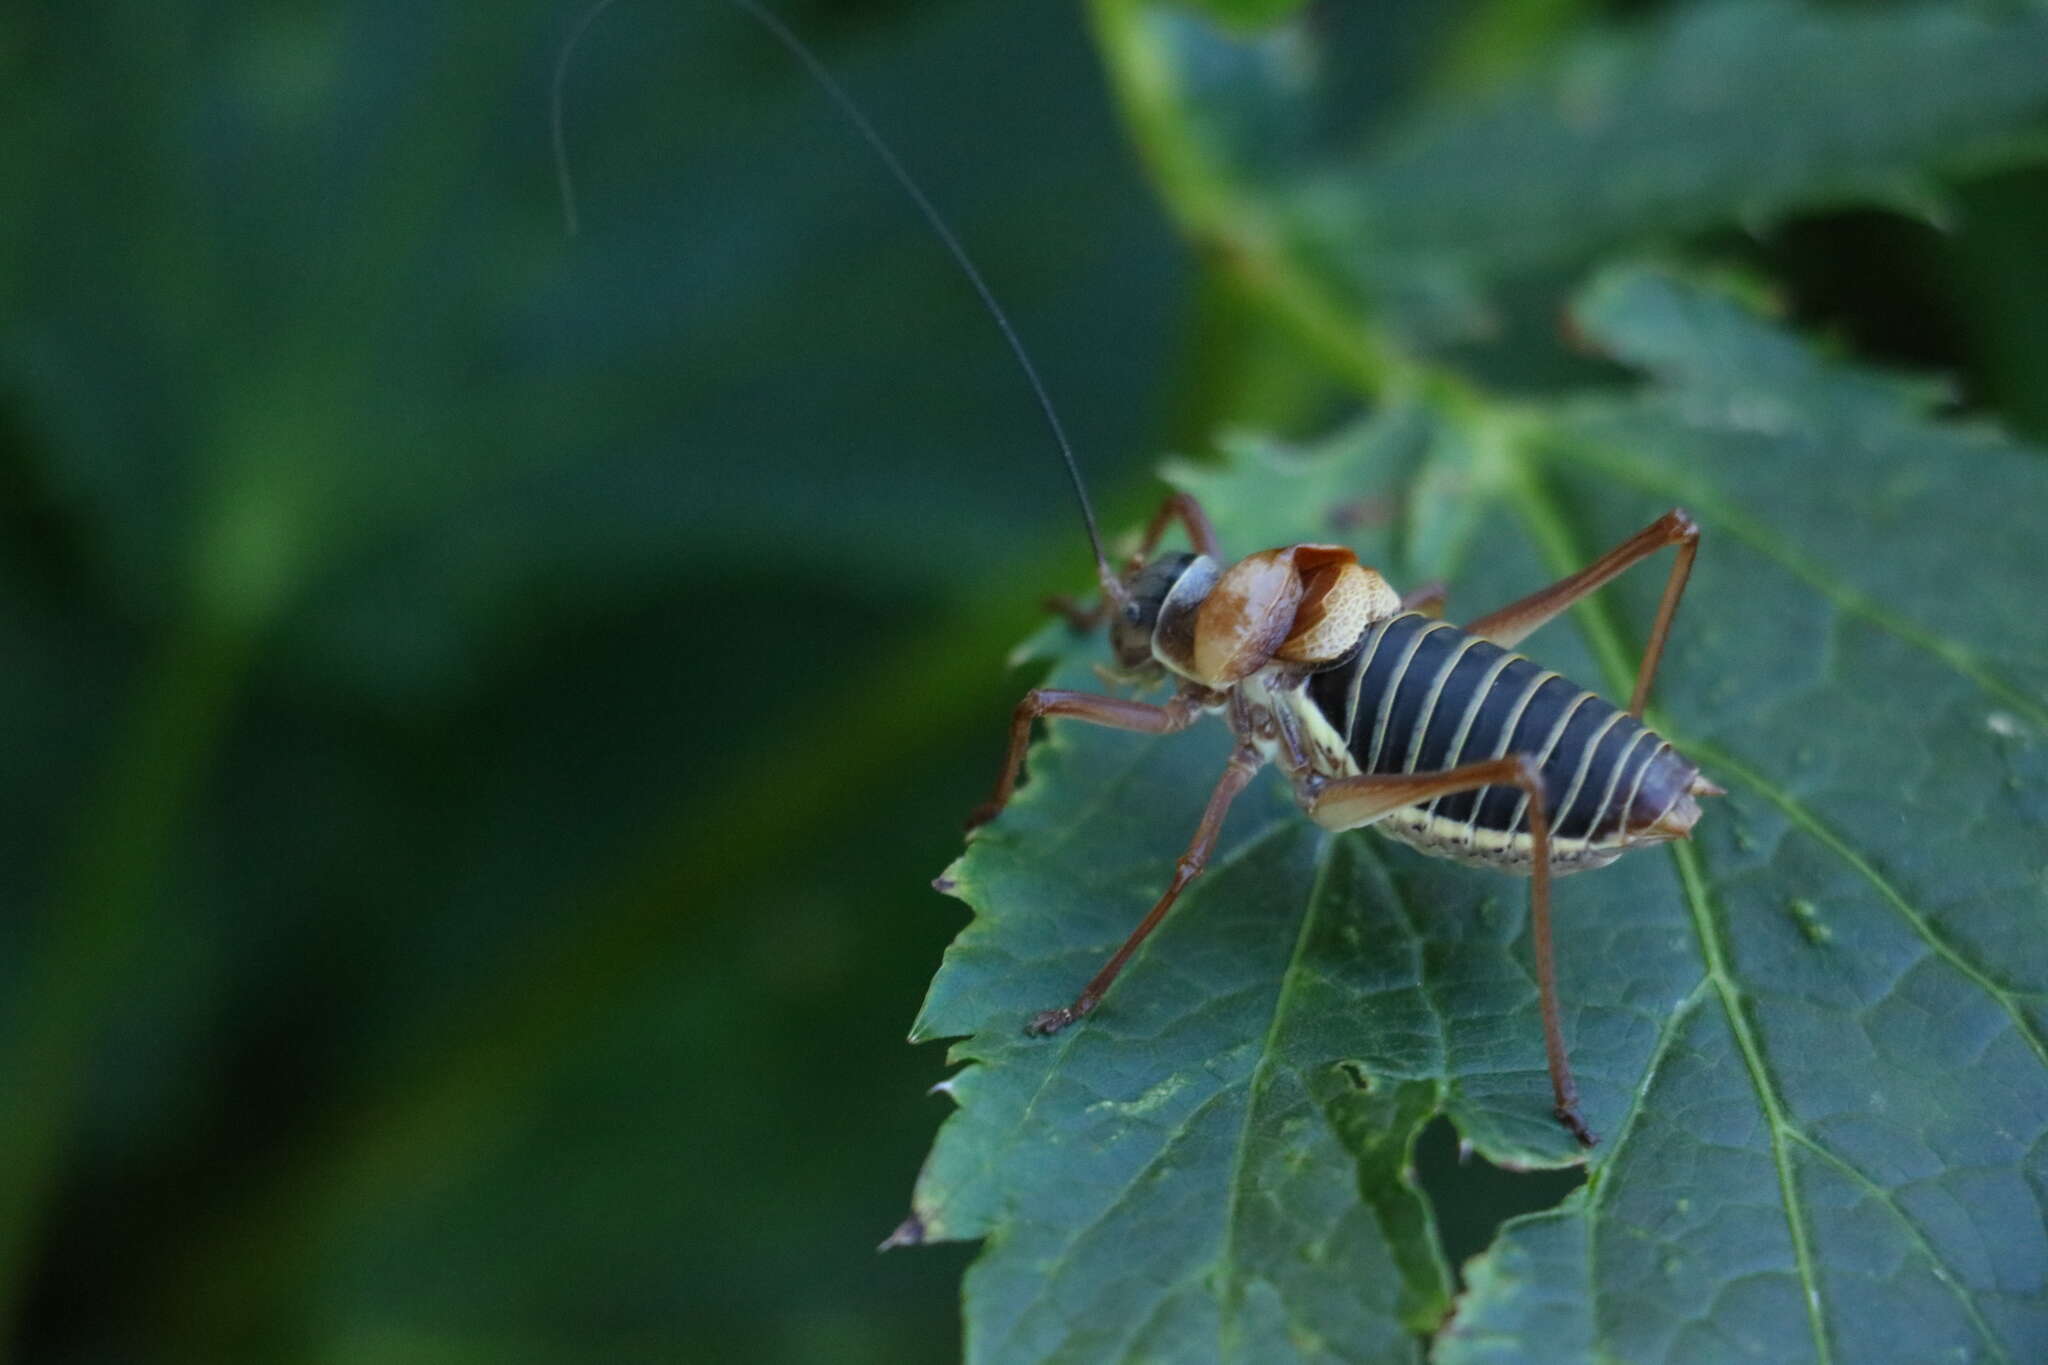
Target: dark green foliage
{"type": "Point", "coordinates": [1249, 13]}
{"type": "Point", "coordinates": [483, 707]}
{"type": "Point", "coordinates": [1748, 110]}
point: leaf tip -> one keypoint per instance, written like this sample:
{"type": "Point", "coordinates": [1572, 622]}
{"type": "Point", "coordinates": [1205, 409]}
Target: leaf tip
{"type": "Point", "coordinates": [947, 883]}
{"type": "Point", "coordinates": [908, 1233]}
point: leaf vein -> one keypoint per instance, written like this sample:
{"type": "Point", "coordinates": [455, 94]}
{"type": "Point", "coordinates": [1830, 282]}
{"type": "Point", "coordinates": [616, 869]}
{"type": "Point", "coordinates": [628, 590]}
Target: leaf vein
{"type": "Point", "coordinates": [1941, 1268]}
{"type": "Point", "coordinates": [2006, 998]}
{"type": "Point", "coordinates": [1746, 1042]}
{"type": "Point", "coordinates": [1596, 624]}
{"type": "Point", "coordinates": [1960, 659]}
{"type": "Point", "coordinates": [1423, 976]}
{"type": "Point", "coordinates": [1147, 1167]}
{"type": "Point", "coordinates": [1227, 1314]}
{"type": "Point", "coordinates": [1597, 1197]}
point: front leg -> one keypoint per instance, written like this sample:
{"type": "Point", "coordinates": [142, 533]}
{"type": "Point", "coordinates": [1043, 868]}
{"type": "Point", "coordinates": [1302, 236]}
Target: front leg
{"type": "Point", "coordinates": [1244, 764]}
{"type": "Point", "coordinates": [1113, 712]}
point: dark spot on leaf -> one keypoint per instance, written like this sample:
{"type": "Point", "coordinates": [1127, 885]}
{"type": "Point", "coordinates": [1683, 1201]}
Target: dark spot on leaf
{"type": "Point", "coordinates": [943, 884]}
{"type": "Point", "coordinates": [1360, 1078]}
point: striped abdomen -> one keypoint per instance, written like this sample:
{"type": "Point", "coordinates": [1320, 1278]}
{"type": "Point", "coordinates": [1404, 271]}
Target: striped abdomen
{"type": "Point", "coordinates": [1422, 696]}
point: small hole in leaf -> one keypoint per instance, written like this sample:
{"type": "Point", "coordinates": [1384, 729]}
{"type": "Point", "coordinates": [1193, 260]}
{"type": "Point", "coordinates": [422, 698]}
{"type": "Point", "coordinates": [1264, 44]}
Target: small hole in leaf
{"type": "Point", "coordinates": [1360, 1078]}
{"type": "Point", "coordinates": [1473, 1197]}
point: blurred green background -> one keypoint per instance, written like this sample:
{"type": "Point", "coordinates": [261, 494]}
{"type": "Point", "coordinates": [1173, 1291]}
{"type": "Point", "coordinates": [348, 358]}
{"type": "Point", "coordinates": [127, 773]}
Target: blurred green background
{"type": "Point", "coordinates": [483, 706]}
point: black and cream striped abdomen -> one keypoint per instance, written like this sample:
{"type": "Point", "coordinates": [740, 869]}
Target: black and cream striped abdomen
{"type": "Point", "coordinates": [1421, 696]}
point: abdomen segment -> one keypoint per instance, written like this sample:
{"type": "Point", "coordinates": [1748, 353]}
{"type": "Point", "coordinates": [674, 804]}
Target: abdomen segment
{"type": "Point", "coordinates": [1422, 696]}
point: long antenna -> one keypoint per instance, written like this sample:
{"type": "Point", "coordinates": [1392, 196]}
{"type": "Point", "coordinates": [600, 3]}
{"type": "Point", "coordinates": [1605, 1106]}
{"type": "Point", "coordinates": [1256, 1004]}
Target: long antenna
{"type": "Point", "coordinates": [937, 223]}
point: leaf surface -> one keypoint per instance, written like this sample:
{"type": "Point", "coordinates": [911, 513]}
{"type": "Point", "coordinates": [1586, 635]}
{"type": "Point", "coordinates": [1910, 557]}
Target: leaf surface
{"type": "Point", "coordinates": [1812, 1038]}
{"type": "Point", "coordinates": [1249, 14]}
{"type": "Point", "coordinates": [1733, 112]}
{"type": "Point", "coordinates": [1747, 107]}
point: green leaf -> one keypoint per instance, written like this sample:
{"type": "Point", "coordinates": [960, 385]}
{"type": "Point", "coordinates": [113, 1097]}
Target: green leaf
{"type": "Point", "coordinates": [1735, 112]}
{"type": "Point", "coordinates": [1813, 1038]}
{"type": "Point", "coordinates": [1249, 14]}
{"type": "Point", "coordinates": [1750, 108]}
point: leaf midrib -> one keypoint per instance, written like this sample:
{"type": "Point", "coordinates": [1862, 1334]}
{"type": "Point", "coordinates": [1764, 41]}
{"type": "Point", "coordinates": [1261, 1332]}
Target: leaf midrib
{"type": "Point", "coordinates": [1796, 1132]}
{"type": "Point", "coordinates": [1958, 658]}
{"type": "Point", "coordinates": [1596, 624]}
{"type": "Point", "coordinates": [1810, 824]}
{"type": "Point", "coordinates": [1706, 925]}
{"type": "Point", "coordinates": [1547, 529]}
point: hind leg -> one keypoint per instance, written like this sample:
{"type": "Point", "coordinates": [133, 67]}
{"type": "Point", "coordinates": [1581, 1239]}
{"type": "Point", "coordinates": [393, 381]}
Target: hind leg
{"type": "Point", "coordinates": [1349, 802]}
{"type": "Point", "coordinates": [1516, 621]}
